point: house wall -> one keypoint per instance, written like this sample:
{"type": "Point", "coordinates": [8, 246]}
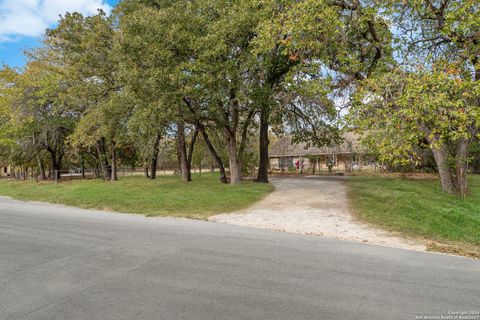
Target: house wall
{"type": "Point", "coordinates": [341, 162]}
{"type": "Point", "coordinates": [4, 171]}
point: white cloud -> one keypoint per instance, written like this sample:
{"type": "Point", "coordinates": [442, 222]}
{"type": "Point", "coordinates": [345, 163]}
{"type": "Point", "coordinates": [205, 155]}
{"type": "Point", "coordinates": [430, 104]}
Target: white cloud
{"type": "Point", "coordinates": [31, 17]}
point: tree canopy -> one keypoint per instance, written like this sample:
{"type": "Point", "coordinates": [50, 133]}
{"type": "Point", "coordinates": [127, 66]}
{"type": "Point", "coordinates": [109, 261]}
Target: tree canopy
{"type": "Point", "coordinates": [224, 76]}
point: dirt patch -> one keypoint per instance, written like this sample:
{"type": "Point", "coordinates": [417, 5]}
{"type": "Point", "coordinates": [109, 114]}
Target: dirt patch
{"type": "Point", "coordinates": [313, 206]}
{"type": "Point", "coordinates": [459, 250]}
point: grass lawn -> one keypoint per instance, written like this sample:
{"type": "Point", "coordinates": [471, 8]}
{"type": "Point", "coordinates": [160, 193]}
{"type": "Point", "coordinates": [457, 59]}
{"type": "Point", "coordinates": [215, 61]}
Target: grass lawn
{"type": "Point", "coordinates": [165, 196]}
{"type": "Point", "coordinates": [418, 208]}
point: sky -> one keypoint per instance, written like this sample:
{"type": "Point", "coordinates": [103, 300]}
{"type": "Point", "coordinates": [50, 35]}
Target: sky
{"type": "Point", "coordinates": [22, 23]}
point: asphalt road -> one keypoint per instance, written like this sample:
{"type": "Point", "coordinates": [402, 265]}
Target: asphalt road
{"type": "Point", "coordinates": [64, 263]}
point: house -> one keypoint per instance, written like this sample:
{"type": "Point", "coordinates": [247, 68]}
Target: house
{"type": "Point", "coordinates": [4, 170]}
{"type": "Point", "coordinates": [347, 156]}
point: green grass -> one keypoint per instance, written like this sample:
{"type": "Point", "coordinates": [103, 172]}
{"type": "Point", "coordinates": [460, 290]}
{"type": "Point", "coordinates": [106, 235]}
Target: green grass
{"type": "Point", "coordinates": [418, 208]}
{"type": "Point", "coordinates": [165, 196]}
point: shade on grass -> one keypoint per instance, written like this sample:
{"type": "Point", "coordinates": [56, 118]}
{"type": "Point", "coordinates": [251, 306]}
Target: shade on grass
{"type": "Point", "coordinates": [165, 196]}
{"type": "Point", "coordinates": [417, 208]}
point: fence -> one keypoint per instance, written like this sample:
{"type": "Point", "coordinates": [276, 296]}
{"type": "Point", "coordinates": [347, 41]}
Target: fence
{"type": "Point", "coordinates": [95, 173]}
{"type": "Point", "coordinates": [79, 174]}
{"type": "Point", "coordinates": [76, 174]}
{"type": "Point", "coordinates": [320, 169]}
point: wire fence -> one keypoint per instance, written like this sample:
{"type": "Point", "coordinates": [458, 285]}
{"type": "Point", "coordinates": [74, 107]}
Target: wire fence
{"type": "Point", "coordinates": [81, 174]}
{"type": "Point", "coordinates": [75, 174]}
{"type": "Point", "coordinates": [105, 174]}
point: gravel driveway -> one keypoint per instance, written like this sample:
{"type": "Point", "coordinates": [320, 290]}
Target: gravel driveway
{"type": "Point", "coordinates": [315, 206]}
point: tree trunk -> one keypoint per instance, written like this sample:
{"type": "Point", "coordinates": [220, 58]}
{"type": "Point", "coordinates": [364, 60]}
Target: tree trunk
{"type": "Point", "coordinates": [461, 167]}
{"type": "Point", "coordinates": [56, 163]}
{"type": "Point", "coordinates": [41, 169]}
{"type": "Point", "coordinates": [102, 159]}
{"type": "Point", "coordinates": [191, 148]}
{"type": "Point", "coordinates": [145, 172]}
{"type": "Point", "coordinates": [113, 176]}
{"type": "Point", "coordinates": [96, 172]}
{"type": "Point", "coordinates": [182, 152]}
{"type": "Point", "coordinates": [57, 173]}
{"type": "Point", "coordinates": [453, 176]}
{"type": "Point", "coordinates": [154, 160]}
{"type": "Point", "coordinates": [440, 154]}
{"type": "Point", "coordinates": [216, 157]}
{"type": "Point", "coordinates": [83, 168]}
{"type": "Point", "coordinates": [264, 142]}
{"type": "Point", "coordinates": [201, 128]}
{"type": "Point", "coordinates": [234, 161]}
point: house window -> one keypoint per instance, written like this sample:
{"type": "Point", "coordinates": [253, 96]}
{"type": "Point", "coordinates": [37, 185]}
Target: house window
{"type": "Point", "coordinates": [286, 162]}
{"type": "Point", "coordinates": [4, 169]}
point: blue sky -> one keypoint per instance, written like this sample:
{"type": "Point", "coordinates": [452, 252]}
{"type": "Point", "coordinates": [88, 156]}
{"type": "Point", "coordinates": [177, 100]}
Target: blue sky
{"type": "Point", "coordinates": [22, 22]}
